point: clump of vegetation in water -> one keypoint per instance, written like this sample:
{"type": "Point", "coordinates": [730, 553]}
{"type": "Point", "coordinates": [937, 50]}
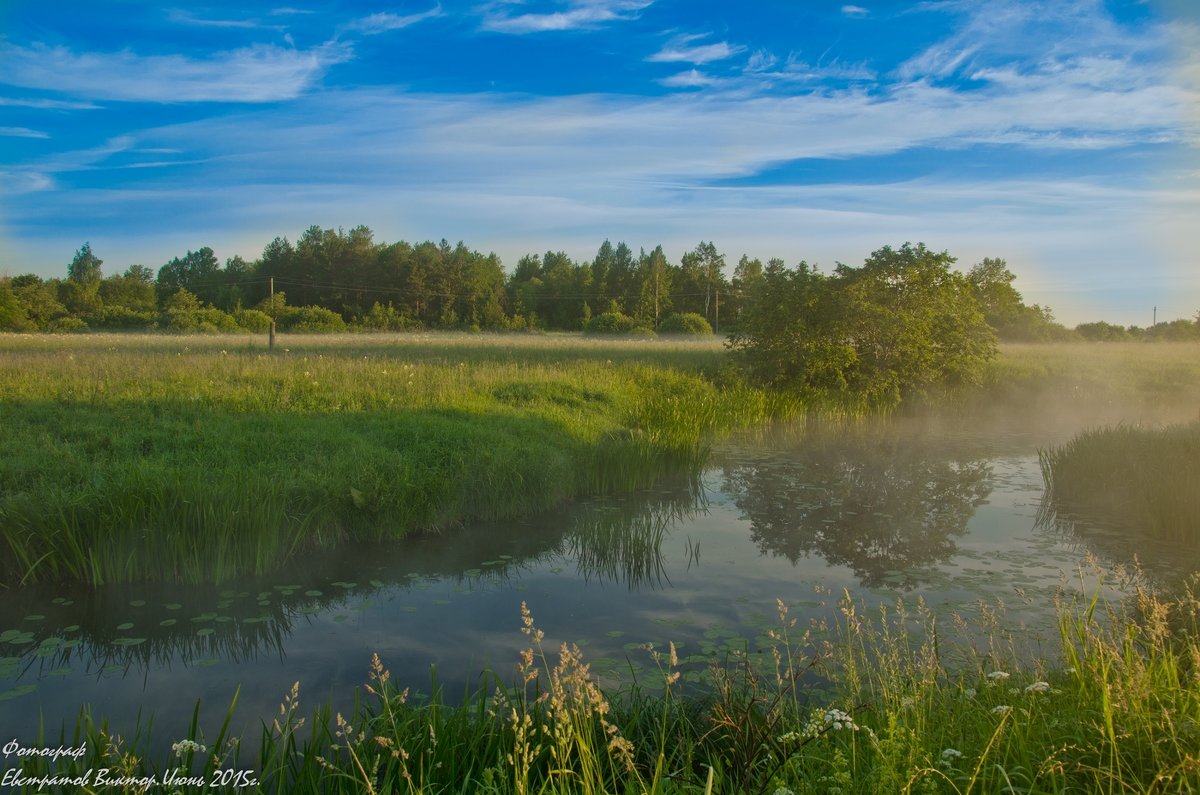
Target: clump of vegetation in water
{"type": "Point", "coordinates": [892, 702]}
{"type": "Point", "coordinates": [1131, 476]}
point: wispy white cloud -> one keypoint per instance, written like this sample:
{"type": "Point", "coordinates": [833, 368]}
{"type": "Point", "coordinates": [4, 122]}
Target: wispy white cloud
{"type": "Point", "coordinates": [385, 22]}
{"type": "Point", "coordinates": [260, 73]}
{"type": "Point", "coordinates": [692, 78]}
{"type": "Point", "coordinates": [576, 14]}
{"type": "Point", "coordinates": [183, 17]}
{"type": "Point", "coordinates": [17, 182]}
{"type": "Point", "coordinates": [855, 11]}
{"type": "Point", "coordinates": [46, 104]}
{"type": "Point", "coordinates": [685, 49]}
{"type": "Point", "coordinates": [1037, 34]}
{"type": "Point", "coordinates": [22, 132]}
{"type": "Point", "coordinates": [764, 65]}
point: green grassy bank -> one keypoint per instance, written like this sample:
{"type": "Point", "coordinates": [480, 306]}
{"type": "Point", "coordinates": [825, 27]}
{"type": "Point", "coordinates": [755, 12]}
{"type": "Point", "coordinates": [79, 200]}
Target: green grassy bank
{"type": "Point", "coordinates": [199, 459]}
{"type": "Point", "coordinates": [127, 457]}
{"type": "Point", "coordinates": [873, 702]}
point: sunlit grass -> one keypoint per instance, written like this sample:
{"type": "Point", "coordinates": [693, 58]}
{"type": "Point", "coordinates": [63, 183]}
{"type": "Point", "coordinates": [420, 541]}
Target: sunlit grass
{"type": "Point", "coordinates": [199, 459]}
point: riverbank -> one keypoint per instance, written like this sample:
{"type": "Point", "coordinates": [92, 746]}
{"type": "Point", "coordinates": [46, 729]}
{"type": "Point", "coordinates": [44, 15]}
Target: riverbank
{"type": "Point", "coordinates": [198, 459]}
{"type": "Point", "coordinates": [201, 459]}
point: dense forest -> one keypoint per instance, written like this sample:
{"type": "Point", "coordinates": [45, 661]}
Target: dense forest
{"type": "Point", "coordinates": [333, 280]}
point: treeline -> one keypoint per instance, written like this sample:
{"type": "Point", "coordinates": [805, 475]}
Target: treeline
{"type": "Point", "coordinates": [333, 280]}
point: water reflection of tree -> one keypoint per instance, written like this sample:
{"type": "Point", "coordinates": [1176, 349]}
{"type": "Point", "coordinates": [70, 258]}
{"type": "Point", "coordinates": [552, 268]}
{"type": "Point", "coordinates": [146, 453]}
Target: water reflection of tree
{"type": "Point", "coordinates": [880, 505]}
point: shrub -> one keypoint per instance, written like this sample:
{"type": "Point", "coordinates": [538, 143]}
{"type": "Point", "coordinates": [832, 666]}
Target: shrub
{"type": "Point", "coordinates": [387, 318]}
{"type": "Point", "coordinates": [252, 320]}
{"type": "Point", "coordinates": [202, 321]}
{"type": "Point", "coordinates": [610, 323]}
{"type": "Point", "coordinates": [122, 317]}
{"type": "Point", "coordinates": [311, 320]}
{"type": "Point", "coordinates": [684, 323]}
{"type": "Point", "coordinates": [66, 325]}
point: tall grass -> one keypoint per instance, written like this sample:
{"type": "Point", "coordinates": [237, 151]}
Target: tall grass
{"type": "Point", "coordinates": [876, 701]}
{"type": "Point", "coordinates": [1138, 478]}
{"type": "Point", "coordinates": [133, 458]}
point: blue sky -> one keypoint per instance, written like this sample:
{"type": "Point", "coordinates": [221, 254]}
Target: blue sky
{"type": "Point", "coordinates": [1061, 135]}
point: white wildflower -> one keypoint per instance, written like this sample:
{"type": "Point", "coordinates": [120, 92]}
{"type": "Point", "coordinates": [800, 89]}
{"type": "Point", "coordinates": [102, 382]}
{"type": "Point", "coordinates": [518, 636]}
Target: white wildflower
{"type": "Point", "coordinates": [1003, 709]}
{"type": "Point", "coordinates": [997, 676]}
{"type": "Point", "coordinates": [187, 746]}
{"type": "Point", "coordinates": [950, 756]}
{"type": "Point", "coordinates": [1038, 687]}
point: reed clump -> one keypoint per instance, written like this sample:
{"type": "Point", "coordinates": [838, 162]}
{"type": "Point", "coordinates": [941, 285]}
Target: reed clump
{"type": "Point", "coordinates": [1141, 479]}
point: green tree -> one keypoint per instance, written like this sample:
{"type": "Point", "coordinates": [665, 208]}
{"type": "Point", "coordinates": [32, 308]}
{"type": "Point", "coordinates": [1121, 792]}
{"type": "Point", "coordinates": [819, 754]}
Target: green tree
{"type": "Point", "coordinates": [912, 322]}
{"type": "Point", "coordinates": [896, 326]}
{"type": "Point", "coordinates": [85, 267]}
{"type": "Point", "coordinates": [133, 290]}
{"type": "Point", "coordinates": [13, 316]}
{"type": "Point", "coordinates": [198, 272]}
{"type": "Point", "coordinates": [38, 298]}
{"type": "Point", "coordinates": [654, 296]}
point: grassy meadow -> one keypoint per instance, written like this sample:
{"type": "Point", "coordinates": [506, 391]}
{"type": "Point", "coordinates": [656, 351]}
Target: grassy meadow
{"type": "Point", "coordinates": [156, 457]}
{"type": "Point", "coordinates": [202, 458]}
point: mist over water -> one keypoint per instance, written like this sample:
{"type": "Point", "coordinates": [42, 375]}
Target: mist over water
{"type": "Point", "coordinates": [943, 508]}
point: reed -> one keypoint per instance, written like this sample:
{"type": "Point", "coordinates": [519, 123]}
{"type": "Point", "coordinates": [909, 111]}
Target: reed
{"type": "Point", "coordinates": [1139, 479]}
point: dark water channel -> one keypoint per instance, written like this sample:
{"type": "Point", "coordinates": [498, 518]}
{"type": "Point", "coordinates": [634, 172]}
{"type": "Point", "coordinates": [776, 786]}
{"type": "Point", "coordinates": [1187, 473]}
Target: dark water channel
{"type": "Point", "coordinates": [945, 511]}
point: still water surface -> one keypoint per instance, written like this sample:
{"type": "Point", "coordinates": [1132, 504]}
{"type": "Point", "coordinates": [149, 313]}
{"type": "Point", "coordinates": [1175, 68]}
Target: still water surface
{"type": "Point", "coordinates": [945, 511]}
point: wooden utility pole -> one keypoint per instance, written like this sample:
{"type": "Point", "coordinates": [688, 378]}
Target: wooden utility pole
{"type": "Point", "coordinates": [271, 337]}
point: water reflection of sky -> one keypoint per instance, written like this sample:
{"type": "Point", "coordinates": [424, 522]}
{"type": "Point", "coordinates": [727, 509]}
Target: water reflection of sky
{"type": "Point", "coordinates": [949, 515]}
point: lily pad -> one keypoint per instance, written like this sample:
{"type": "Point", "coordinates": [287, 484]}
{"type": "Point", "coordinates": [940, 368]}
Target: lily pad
{"type": "Point", "coordinates": [313, 592]}
{"type": "Point", "coordinates": [167, 622]}
{"type": "Point", "coordinates": [35, 617]}
{"type": "Point", "coordinates": [173, 606]}
{"type": "Point", "coordinates": [125, 626]}
{"type": "Point", "coordinates": [128, 641]}
{"type": "Point", "coordinates": [138, 603]}
{"type": "Point", "coordinates": [205, 632]}
{"type": "Point", "coordinates": [18, 691]}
